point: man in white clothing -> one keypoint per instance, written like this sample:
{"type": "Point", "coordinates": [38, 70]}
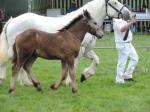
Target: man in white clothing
{"type": "Point", "coordinates": [123, 38]}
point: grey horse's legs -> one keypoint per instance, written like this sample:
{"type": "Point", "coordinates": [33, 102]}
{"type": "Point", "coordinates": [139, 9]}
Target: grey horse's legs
{"type": "Point", "coordinates": [2, 72]}
{"type": "Point", "coordinates": [89, 71]}
{"type": "Point", "coordinates": [23, 78]}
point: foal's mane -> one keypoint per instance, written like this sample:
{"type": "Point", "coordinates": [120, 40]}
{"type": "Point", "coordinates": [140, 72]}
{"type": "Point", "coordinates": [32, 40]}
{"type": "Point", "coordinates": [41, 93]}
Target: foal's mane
{"type": "Point", "coordinates": [78, 18]}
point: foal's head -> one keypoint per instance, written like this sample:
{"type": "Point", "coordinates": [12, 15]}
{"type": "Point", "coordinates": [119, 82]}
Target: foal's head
{"type": "Point", "coordinates": [94, 28]}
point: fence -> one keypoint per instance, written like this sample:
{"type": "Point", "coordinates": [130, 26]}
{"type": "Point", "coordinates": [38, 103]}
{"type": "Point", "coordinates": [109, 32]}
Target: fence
{"type": "Point", "coordinates": [40, 6]}
{"type": "Point", "coordinates": [110, 47]}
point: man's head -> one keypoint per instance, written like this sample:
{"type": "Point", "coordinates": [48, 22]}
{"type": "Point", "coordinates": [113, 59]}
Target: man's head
{"type": "Point", "coordinates": [127, 17]}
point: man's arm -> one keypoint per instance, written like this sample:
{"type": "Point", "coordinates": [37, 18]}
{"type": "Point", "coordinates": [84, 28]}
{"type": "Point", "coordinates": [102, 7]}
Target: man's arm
{"type": "Point", "coordinates": [126, 27]}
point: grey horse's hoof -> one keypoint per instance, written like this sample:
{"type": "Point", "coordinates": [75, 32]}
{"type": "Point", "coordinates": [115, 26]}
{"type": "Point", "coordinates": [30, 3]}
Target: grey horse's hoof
{"type": "Point", "coordinates": [1, 81]}
{"type": "Point", "coordinates": [39, 88]}
{"type": "Point", "coordinates": [82, 78]}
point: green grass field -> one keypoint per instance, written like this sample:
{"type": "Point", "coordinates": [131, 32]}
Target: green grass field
{"type": "Point", "coordinates": [98, 94]}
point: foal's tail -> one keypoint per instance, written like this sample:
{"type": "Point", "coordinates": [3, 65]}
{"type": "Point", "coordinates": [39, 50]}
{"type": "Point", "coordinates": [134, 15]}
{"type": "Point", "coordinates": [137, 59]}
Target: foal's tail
{"type": "Point", "coordinates": [15, 54]}
{"type": "Point", "coordinates": [4, 43]}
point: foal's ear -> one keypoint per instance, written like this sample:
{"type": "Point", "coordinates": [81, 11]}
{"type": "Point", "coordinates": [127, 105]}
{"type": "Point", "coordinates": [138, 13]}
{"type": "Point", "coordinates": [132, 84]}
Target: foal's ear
{"type": "Point", "coordinates": [86, 14]}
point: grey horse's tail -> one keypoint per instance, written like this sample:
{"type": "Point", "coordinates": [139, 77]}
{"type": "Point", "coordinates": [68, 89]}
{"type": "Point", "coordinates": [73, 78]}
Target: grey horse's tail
{"type": "Point", "coordinates": [4, 43]}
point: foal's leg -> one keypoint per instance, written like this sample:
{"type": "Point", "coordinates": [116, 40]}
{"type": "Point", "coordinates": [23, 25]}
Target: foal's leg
{"type": "Point", "coordinates": [63, 76]}
{"type": "Point", "coordinates": [71, 69]}
{"type": "Point", "coordinates": [15, 70]}
{"type": "Point", "coordinates": [28, 67]}
{"type": "Point", "coordinates": [18, 62]}
{"type": "Point", "coordinates": [77, 59]}
{"type": "Point", "coordinates": [92, 68]}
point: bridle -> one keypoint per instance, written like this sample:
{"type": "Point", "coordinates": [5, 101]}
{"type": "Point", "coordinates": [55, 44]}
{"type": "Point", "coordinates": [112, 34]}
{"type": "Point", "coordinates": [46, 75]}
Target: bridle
{"type": "Point", "coordinates": [119, 11]}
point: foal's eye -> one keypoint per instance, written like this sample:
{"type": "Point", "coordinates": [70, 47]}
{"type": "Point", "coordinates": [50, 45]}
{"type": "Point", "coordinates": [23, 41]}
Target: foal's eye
{"type": "Point", "coordinates": [95, 23]}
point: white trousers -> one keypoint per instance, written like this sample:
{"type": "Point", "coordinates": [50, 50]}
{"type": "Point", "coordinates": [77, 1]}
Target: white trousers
{"type": "Point", "coordinates": [125, 51]}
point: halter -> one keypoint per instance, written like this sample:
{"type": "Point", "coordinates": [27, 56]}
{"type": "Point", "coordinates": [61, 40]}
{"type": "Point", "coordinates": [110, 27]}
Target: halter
{"type": "Point", "coordinates": [119, 11]}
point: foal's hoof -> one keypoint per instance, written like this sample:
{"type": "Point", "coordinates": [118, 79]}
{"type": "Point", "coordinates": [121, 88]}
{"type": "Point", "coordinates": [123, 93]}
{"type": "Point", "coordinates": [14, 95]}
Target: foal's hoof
{"type": "Point", "coordinates": [74, 90]}
{"type": "Point", "coordinates": [11, 91]}
{"type": "Point", "coordinates": [53, 87]}
{"type": "Point", "coordinates": [82, 78]}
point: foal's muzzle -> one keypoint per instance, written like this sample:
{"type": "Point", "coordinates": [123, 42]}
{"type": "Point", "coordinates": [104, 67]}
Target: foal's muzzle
{"type": "Point", "coordinates": [100, 36]}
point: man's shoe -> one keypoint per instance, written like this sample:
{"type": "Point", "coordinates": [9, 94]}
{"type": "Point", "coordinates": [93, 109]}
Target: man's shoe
{"type": "Point", "coordinates": [130, 79]}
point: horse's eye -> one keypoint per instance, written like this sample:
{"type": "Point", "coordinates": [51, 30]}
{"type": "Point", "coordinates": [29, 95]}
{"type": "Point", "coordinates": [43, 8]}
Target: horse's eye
{"type": "Point", "coordinates": [115, 3]}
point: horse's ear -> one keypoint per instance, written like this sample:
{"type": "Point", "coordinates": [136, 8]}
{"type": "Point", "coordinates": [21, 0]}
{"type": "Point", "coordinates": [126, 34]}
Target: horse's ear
{"type": "Point", "coordinates": [86, 14]}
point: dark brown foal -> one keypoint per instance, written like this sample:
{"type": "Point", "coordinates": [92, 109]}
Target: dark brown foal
{"type": "Point", "coordinates": [63, 45]}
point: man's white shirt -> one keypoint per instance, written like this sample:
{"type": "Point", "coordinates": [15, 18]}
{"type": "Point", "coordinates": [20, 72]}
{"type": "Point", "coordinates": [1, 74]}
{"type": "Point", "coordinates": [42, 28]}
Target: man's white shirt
{"type": "Point", "coordinates": [117, 25]}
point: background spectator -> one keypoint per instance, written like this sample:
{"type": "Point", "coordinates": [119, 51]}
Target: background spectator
{"type": "Point", "coordinates": [143, 8]}
{"type": "Point", "coordinates": [1, 15]}
{"type": "Point", "coordinates": [73, 7]}
{"type": "Point", "coordinates": [1, 19]}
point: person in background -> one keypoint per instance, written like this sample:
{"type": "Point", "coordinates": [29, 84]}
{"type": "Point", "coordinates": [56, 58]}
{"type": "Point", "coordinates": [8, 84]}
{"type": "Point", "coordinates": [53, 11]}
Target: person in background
{"type": "Point", "coordinates": [1, 19]}
{"type": "Point", "coordinates": [143, 8]}
{"type": "Point", "coordinates": [73, 7]}
{"type": "Point", "coordinates": [123, 39]}
{"type": "Point", "coordinates": [1, 15]}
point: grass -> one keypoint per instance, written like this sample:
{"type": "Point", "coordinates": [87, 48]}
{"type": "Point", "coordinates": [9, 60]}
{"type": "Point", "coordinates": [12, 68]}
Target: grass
{"type": "Point", "coordinates": [98, 94]}
{"type": "Point", "coordinates": [138, 40]}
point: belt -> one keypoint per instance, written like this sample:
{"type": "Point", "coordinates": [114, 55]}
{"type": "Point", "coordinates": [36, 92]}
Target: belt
{"type": "Point", "coordinates": [127, 42]}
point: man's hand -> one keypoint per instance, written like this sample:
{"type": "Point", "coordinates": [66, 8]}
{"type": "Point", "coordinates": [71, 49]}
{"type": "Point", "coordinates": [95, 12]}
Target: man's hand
{"type": "Point", "coordinates": [133, 20]}
{"type": "Point", "coordinates": [126, 27]}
